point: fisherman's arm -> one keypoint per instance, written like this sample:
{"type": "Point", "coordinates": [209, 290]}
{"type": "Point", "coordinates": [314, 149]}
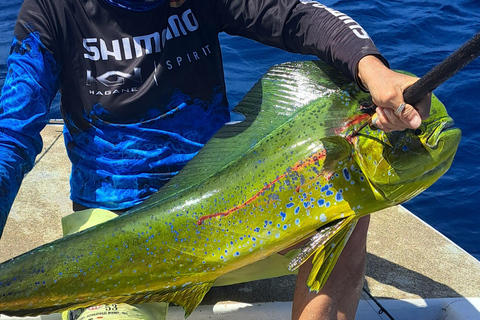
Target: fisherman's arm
{"type": "Point", "coordinates": [308, 27]}
{"type": "Point", "coordinates": [305, 27]}
{"type": "Point", "coordinates": [29, 88]}
{"type": "Point", "coordinates": [387, 87]}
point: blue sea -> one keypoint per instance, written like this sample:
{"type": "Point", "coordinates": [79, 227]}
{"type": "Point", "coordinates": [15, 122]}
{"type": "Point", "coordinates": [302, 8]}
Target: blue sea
{"type": "Point", "coordinates": [413, 36]}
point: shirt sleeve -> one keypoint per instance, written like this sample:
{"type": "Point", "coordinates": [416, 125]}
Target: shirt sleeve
{"type": "Point", "coordinates": [300, 26]}
{"type": "Point", "coordinates": [29, 88]}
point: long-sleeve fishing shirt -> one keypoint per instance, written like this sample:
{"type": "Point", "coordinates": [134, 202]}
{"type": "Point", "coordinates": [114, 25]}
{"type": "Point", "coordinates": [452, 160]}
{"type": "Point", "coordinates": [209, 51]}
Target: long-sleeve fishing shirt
{"type": "Point", "coordinates": [142, 89]}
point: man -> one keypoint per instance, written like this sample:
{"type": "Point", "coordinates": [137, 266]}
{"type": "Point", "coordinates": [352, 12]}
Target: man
{"type": "Point", "coordinates": [143, 90]}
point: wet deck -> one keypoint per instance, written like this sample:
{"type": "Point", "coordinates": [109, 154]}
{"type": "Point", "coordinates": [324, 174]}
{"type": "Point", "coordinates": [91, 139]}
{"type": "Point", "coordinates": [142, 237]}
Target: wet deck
{"type": "Point", "coordinates": [409, 263]}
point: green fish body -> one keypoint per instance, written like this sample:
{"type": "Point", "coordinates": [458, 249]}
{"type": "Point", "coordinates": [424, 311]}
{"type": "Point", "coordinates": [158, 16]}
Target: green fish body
{"type": "Point", "coordinates": [257, 187]}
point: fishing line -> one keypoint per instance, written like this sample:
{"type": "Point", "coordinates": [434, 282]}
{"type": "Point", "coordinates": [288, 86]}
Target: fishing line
{"type": "Point", "coordinates": [48, 149]}
{"type": "Point", "coordinates": [382, 309]}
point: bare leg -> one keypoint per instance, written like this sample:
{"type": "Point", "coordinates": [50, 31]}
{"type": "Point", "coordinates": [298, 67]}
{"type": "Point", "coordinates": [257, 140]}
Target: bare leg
{"type": "Point", "coordinates": [338, 299]}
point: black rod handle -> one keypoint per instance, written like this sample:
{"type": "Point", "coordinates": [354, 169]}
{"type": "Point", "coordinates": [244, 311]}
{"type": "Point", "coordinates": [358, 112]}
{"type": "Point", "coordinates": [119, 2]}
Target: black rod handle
{"type": "Point", "coordinates": [443, 71]}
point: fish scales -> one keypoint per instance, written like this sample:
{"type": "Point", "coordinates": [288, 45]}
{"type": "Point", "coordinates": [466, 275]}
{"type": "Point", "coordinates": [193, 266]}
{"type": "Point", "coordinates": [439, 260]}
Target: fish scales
{"type": "Point", "coordinates": [257, 187]}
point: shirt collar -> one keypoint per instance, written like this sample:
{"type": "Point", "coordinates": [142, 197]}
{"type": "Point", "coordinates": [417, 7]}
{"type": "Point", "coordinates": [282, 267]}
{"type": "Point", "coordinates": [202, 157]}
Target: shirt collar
{"type": "Point", "coordinates": [136, 5]}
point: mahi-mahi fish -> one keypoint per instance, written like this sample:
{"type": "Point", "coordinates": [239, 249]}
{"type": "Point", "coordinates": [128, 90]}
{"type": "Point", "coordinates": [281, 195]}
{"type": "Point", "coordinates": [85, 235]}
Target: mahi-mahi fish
{"type": "Point", "coordinates": [290, 168]}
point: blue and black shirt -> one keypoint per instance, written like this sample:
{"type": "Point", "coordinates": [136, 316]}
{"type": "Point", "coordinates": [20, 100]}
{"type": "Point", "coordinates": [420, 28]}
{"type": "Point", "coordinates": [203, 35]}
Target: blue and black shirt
{"type": "Point", "coordinates": [142, 85]}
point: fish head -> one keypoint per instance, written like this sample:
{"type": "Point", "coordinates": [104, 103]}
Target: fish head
{"type": "Point", "coordinates": [399, 165]}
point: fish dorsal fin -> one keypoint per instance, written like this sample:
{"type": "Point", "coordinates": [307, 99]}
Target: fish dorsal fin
{"type": "Point", "coordinates": [326, 246]}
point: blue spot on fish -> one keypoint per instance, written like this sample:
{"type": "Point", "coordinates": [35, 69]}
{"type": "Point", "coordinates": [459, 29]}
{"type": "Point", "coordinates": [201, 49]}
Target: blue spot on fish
{"type": "Point", "coordinates": [346, 174]}
{"type": "Point", "coordinates": [339, 196]}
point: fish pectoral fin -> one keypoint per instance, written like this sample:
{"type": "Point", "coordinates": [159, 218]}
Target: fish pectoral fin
{"type": "Point", "coordinates": [337, 149]}
{"type": "Point", "coordinates": [325, 246]}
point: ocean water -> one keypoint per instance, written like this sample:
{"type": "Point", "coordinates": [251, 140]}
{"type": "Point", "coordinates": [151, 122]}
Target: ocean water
{"type": "Point", "coordinates": [413, 36]}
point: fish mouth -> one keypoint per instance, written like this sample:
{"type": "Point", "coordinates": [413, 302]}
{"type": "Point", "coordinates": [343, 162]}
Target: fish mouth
{"type": "Point", "coordinates": [434, 137]}
{"type": "Point", "coordinates": [407, 171]}
{"type": "Point", "coordinates": [430, 142]}
{"type": "Point", "coordinates": [443, 141]}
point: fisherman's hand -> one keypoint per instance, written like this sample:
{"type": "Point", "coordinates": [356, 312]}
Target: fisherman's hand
{"type": "Point", "coordinates": [387, 87]}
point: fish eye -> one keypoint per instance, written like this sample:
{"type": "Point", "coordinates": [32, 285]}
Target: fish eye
{"type": "Point", "coordinates": [418, 131]}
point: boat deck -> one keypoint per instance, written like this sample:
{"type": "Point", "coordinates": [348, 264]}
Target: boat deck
{"type": "Point", "coordinates": [412, 270]}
